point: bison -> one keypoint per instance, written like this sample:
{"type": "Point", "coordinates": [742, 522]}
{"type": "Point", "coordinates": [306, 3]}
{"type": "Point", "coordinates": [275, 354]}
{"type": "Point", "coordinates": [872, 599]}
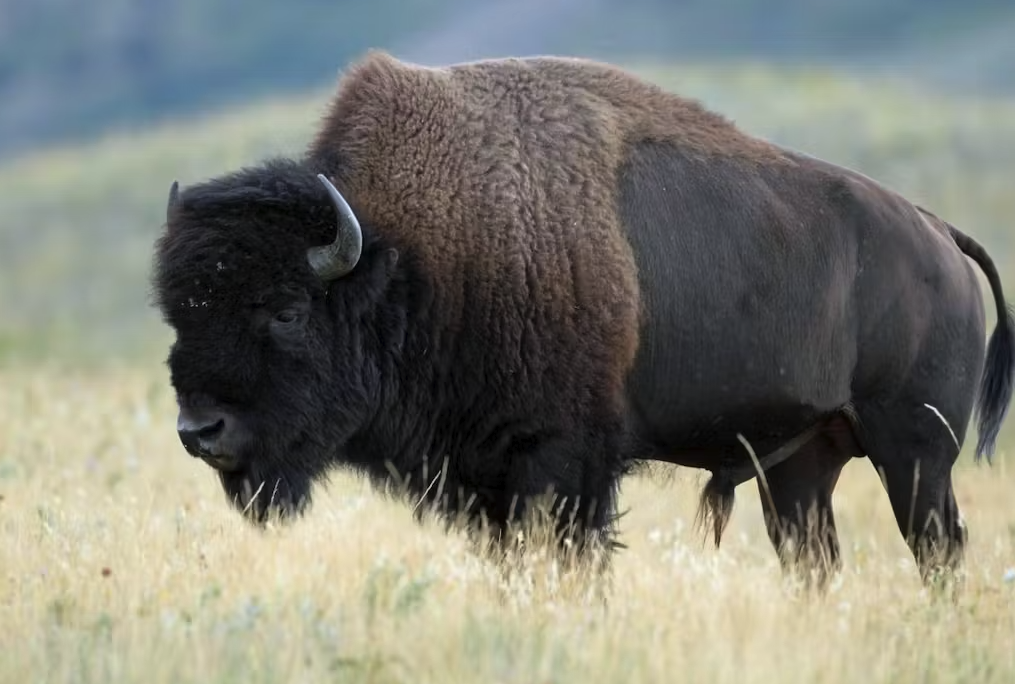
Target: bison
{"type": "Point", "coordinates": [508, 277]}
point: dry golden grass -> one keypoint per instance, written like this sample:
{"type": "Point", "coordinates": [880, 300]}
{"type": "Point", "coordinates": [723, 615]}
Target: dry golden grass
{"type": "Point", "coordinates": [120, 561]}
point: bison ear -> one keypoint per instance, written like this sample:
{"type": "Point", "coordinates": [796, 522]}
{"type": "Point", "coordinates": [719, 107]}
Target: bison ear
{"type": "Point", "coordinates": [174, 198]}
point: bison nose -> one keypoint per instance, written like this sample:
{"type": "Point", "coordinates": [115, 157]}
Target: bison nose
{"type": "Point", "coordinates": [200, 433]}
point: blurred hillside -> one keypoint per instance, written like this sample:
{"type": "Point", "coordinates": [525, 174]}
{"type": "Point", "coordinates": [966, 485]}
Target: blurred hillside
{"type": "Point", "coordinates": [69, 70]}
{"type": "Point", "coordinates": [77, 225]}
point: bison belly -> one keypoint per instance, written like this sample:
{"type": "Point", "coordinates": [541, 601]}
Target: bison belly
{"type": "Point", "coordinates": [747, 301]}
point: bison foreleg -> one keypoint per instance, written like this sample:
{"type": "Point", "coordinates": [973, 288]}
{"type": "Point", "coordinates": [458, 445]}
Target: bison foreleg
{"type": "Point", "coordinates": [563, 491]}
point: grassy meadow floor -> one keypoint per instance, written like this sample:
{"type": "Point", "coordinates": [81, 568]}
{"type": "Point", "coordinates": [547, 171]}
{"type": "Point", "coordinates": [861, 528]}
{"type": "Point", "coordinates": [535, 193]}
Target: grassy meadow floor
{"type": "Point", "coordinates": [120, 561]}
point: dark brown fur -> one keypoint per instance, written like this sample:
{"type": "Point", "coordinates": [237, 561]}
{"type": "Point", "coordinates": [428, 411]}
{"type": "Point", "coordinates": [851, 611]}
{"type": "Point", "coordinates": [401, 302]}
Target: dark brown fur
{"type": "Point", "coordinates": [510, 167]}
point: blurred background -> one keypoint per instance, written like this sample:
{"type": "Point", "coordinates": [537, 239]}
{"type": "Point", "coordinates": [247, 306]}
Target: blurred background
{"type": "Point", "coordinates": [103, 104]}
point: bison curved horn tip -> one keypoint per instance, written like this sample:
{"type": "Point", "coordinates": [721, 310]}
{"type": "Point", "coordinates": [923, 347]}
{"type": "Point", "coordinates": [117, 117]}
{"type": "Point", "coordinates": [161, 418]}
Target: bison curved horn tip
{"type": "Point", "coordinates": [174, 195]}
{"type": "Point", "coordinates": [341, 256]}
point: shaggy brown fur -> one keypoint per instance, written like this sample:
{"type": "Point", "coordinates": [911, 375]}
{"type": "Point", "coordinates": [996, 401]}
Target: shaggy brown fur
{"type": "Point", "coordinates": [509, 168]}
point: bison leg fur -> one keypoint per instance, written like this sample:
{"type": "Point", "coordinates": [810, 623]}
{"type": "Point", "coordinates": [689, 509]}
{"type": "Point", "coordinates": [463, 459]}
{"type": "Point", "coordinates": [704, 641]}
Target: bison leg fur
{"type": "Point", "coordinates": [568, 488]}
{"type": "Point", "coordinates": [913, 452]}
{"type": "Point", "coordinates": [796, 497]}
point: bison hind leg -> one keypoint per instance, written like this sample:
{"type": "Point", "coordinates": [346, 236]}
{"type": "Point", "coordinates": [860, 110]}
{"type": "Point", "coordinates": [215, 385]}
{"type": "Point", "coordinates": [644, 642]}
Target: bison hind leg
{"type": "Point", "coordinates": [715, 508]}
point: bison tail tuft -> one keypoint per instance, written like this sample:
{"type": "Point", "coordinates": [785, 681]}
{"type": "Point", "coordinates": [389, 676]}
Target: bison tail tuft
{"type": "Point", "coordinates": [998, 381]}
{"type": "Point", "coordinates": [716, 505]}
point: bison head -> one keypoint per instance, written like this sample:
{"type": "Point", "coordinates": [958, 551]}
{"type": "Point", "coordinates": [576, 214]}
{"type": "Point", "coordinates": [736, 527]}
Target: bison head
{"type": "Point", "coordinates": [271, 286]}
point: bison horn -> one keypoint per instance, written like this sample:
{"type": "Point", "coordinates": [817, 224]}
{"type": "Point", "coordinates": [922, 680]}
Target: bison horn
{"type": "Point", "coordinates": [174, 196]}
{"type": "Point", "coordinates": [341, 256]}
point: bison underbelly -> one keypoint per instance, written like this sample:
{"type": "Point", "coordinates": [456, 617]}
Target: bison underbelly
{"type": "Point", "coordinates": [696, 391]}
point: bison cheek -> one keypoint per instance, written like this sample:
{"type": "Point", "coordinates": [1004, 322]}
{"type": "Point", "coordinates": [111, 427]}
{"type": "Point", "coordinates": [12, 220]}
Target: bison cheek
{"type": "Point", "coordinates": [260, 498]}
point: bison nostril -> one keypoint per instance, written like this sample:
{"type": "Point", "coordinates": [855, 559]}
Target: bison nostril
{"type": "Point", "coordinates": [212, 430]}
{"type": "Point", "coordinates": [199, 435]}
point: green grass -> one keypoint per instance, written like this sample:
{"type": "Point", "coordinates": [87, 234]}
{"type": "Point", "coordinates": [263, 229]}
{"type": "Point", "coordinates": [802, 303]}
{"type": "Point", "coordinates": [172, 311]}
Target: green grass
{"type": "Point", "coordinates": [77, 225]}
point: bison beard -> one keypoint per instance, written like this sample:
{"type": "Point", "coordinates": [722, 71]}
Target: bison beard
{"type": "Point", "coordinates": [550, 269]}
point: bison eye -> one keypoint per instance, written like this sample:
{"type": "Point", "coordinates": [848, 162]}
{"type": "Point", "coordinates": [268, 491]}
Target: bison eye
{"type": "Point", "coordinates": [287, 316]}
{"type": "Point", "coordinates": [285, 319]}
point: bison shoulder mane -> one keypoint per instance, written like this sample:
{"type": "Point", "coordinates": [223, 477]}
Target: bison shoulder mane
{"type": "Point", "coordinates": [500, 177]}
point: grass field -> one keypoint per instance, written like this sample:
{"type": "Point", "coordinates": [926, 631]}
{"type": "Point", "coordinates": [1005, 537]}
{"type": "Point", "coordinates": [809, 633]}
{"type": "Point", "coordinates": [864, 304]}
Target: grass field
{"type": "Point", "coordinates": [120, 561]}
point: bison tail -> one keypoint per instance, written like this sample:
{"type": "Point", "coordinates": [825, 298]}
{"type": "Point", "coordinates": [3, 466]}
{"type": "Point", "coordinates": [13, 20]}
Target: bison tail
{"type": "Point", "coordinates": [998, 381]}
